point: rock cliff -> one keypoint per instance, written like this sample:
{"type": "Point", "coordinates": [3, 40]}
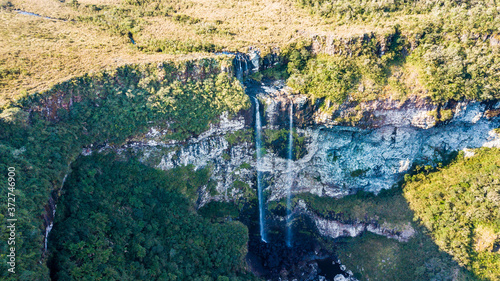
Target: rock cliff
{"type": "Point", "coordinates": [338, 158]}
{"type": "Point", "coordinates": [334, 157]}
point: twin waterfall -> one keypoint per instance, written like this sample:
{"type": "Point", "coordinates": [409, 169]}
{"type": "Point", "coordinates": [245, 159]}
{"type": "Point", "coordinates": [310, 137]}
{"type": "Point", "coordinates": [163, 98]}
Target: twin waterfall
{"type": "Point", "coordinates": [289, 173]}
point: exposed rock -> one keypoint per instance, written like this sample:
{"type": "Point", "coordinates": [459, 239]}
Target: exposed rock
{"type": "Point", "coordinates": [335, 229]}
{"type": "Point", "coordinates": [375, 154]}
{"type": "Point", "coordinates": [339, 159]}
{"type": "Point", "coordinates": [332, 44]}
{"type": "Point", "coordinates": [494, 41]}
{"type": "Point", "coordinates": [251, 62]}
{"type": "Point", "coordinates": [340, 277]}
{"type": "Point", "coordinates": [468, 153]}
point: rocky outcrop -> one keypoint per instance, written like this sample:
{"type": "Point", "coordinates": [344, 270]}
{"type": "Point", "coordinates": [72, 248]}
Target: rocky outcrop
{"type": "Point", "coordinates": [382, 146]}
{"type": "Point", "coordinates": [335, 228]}
{"type": "Point", "coordinates": [332, 44]}
{"type": "Point", "coordinates": [251, 62]}
{"type": "Point", "coordinates": [229, 163]}
{"type": "Point", "coordinates": [339, 158]}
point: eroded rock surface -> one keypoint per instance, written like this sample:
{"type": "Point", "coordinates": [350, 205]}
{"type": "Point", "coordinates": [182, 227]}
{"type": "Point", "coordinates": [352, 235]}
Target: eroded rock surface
{"type": "Point", "coordinates": [338, 159]}
{"type": "Point", "coordinates": [334, 228]}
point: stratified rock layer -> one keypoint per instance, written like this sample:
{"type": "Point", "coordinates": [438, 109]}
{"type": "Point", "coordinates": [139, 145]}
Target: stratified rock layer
{"type": "Point", "coordinates": [339, 158]}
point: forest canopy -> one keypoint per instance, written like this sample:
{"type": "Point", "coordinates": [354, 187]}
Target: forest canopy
{"type": "Point", "coordinates": [42, 134]}
{"type": "Point", "coordinates": [122, 220]}
{"type": "Point", "coordinates": [460, 205]}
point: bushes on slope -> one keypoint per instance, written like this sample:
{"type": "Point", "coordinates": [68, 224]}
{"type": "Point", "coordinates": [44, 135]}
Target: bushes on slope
{"type": "Point", "coordinates": [460, 205]}
{"type": "Point", "coordinates": [42, 134]}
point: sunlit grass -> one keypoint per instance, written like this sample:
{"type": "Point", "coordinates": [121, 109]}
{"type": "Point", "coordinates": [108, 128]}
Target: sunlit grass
{"type": "Point", "coordinates": [42, 52]}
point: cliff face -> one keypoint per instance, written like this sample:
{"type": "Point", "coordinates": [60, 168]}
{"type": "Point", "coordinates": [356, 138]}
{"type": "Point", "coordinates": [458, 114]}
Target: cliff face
{"type": "Point", "coordinates": [228, 163]}
{"type": "Point", "coordinates": [336, 158]}
{"type": "Point", "coordinates": [386, 141]}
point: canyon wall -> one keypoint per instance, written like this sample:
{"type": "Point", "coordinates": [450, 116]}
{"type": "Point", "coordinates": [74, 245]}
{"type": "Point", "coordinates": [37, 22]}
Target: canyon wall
{"type": "Point", "coordinates": [336, 158]}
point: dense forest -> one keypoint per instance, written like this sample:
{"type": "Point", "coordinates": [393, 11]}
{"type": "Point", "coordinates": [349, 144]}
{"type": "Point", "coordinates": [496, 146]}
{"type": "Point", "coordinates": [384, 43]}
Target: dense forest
{"type": "Point", "coordinates": [459, 204]}
{"type": "Point", "coordinates": [121, 220]}
{"type": "Point", "coordinates": [42, 134]}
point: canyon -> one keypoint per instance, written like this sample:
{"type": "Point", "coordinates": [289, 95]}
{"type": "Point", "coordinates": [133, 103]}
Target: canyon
{"type": "Point", "coordinates": [338, 159]}
{"type": "Point", "coordinates": [333, 156]}
{"type": "Point", "coordinates": [329, 152]}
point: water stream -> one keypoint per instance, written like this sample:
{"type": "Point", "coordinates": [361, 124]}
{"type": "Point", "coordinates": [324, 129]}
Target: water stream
{"type": "Point", "coordinates": [289, 181]}
{"type": "Point", "coordinates": [21, 12]}
{"type": "Point", "coordinates": [258, 148]}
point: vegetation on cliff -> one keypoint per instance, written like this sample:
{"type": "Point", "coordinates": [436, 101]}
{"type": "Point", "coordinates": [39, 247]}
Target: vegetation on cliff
{"type": "Point", "coordinates": [86, 36]}
{"type": "Point", "coordinates": [444, 70]}
{"type": "Point", "coordinates": [387, 207]}
{"type": "Point", "coordinates": [444, 50]}
{"type": "Point", "coordinates": [333, 51]}
{"type": "Point", "coordinates": [126, 221]}
{"type": "Point", "coordinates": [459, 204]}
{"type": "Point", "coordinates": [277, 141]}
{"type": "Point", "coordinates": [42, 134]}
{"type": "Point", "coordinates": [375, 257]}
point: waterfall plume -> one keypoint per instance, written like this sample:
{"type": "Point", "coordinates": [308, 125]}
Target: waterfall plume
{"type": "Point", "coordinates": [258, 148]}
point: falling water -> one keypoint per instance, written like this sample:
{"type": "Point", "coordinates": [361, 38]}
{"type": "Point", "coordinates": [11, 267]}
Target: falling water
{"type": "Point", "coordinates": [239, 71]}
{"type": "Point", "coordinates": [289, 181]}
{"type": "Point", "coordinates": [47, 231]}
{"type": "Point", "coordinates": [51, 225]}
{"type": "Point", "coordinates": [258, 148]}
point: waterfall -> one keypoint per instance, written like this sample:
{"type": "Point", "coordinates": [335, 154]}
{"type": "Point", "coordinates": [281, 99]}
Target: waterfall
{"type": "Point", "coordinates": [47, 231]}
{"type": "Point", "coordinates": [289, 181]}
{"type": "Point", "coordinates": [239, 71]}
{"type": "Point", "coordinates": [258, 148]}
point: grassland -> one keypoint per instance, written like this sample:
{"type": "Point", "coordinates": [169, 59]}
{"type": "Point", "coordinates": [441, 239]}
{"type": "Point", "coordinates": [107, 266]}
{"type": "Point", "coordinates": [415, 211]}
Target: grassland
{"type": "Point", "coordinates": [92, 35]}
{"type": "Point", "coordinates": [42, 52]}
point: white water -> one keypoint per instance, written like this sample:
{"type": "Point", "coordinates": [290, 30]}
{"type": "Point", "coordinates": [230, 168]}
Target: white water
{"type": "Point", "coordinates": [258, 147]}
{"type": "Point", "coordinates": [47, 232]}
{"type": "Point", "coordinates": [239, 71]}
{"type": "Point", "coordinates": [289, 182]}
